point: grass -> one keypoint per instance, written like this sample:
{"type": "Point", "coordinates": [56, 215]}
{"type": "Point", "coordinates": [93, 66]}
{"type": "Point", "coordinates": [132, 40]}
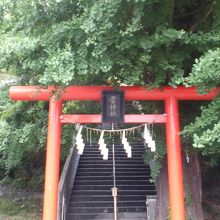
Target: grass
{"type": "Point", "coordinates": [23, 217]}
{"type": "Point", "coordinates": [20, 208]}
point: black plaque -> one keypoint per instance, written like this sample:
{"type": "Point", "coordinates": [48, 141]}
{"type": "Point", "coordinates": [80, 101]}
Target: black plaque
{"type": "Point", "coordinates": [113, 107]}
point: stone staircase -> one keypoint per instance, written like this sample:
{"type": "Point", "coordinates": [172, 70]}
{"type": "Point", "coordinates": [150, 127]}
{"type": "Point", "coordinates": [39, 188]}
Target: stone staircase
{"type": "Point", "coordinates": [91, 196]}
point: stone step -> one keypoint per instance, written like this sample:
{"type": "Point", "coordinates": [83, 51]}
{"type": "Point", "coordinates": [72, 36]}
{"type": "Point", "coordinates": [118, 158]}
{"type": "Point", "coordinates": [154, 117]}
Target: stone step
{"type": "Point", "coordinates": [122, 166]}
{"type": "Point", "coordinates": [120, 155]}
{"type": "Point", "coordinates": [117, 146]}
{"type": "Point", "coordinates": [106, 187]}
{"type": "Point", "coordinates": [141, 182]}
{"type": "Point", "coordinates": [104, 162]}
{"type": "Point", "coordinates": [103, 209]}
{"type": "Point", "coordinates": [109, 216]}
{"type": "Point", "coordinates": [117, 153]}
{"type": "Point", "coordinates": [98, 204]}
{"type": "Point", "coordinates": [108, 192]}
{"type": "Point", "coordinates": [92, 198]}
{"type": "Point", "coordinates": [125, 177]}
{"type": "Point", "coordinates": [109, 168]}
{"type": "Point", "coordinates": [108, 172]}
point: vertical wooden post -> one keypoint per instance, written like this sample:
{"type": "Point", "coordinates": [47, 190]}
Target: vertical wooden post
{"type": "Point", "coordinates": [52, 160]}
{"type": "Point", "coordinates": [175, 171]}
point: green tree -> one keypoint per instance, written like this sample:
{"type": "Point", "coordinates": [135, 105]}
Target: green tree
{"type": "Point", "coordinates": [94, 42]}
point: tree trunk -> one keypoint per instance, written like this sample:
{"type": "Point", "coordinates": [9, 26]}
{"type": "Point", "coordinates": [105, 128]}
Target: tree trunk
{"type": "Point", "coordinates": [193, 190]}
{"type": "Point", "coordinates": [193, 187]}
{"type": "Point", "coordinates": [162, 202]}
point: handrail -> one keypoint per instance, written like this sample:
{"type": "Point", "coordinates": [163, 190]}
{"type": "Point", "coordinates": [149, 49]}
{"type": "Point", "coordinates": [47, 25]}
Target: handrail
{"type": "Point", "coordinates": [151, 207]}
{"type": "Point", "coordinates": [66, 182]}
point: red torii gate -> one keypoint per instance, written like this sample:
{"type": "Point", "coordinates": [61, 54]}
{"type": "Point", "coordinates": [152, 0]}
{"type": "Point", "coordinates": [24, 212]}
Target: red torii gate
{"type": "Point", "coordinates": [55, 95]}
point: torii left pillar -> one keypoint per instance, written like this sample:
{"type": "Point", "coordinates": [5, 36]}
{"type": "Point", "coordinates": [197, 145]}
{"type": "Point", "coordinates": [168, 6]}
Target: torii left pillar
{"type": "Point", "coordinates": [53, 159]}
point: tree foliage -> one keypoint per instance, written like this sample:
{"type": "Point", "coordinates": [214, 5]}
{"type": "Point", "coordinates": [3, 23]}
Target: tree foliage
{"type": "Point", "coordinates": [68, 42]}
{"type": "Point", "coordinates": [94, 42]}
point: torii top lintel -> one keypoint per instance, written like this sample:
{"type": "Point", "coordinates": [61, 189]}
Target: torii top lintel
{"type": "Point", "coordinates": [40, 93]}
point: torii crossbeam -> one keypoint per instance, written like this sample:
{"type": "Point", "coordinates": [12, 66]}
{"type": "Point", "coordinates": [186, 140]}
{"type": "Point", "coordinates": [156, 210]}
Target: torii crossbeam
{"type": "Point", "coordinates": [55, 95]}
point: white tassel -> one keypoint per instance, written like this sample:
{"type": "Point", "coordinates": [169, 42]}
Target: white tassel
{"type": "Point", "coordinates": [81, 148]}
{"type": "Point", "coordinates": [152, 146]}
{"type": "Point", "coordinates": [101, 137]}
{"type": "Point", "coordinates": [128, 150]}
{"type": "Point", "coordinates": [101, 143]}
{"type": "Point", "coordinates": [145, 131]}
{"type": "Point", "coordinates": [124, 139]}
{"type": "Point", "coordinates": [79, 141]}
{"type": "Point", "coordinates": [129, 154]}
{"type": "Point", "coordinates": [102, 148]}
{"type": "Point", "coordinates": [147, 135]}
{"type": "Point", "coordinates": [126, 147]}
{"type": "Point", "coordinates": [79, 135]}
{"type": "Point", "coordinates": [105, 154]}
{"type": "Point", "coordinates": [148, 139]}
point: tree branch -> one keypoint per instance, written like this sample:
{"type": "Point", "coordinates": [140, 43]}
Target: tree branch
{"type": "Point", "coordinates": [194, 26]}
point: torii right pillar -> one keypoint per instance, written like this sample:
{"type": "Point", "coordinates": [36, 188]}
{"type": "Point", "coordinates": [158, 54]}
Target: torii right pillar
{"type": "Point", "coordinates": [175, 170]}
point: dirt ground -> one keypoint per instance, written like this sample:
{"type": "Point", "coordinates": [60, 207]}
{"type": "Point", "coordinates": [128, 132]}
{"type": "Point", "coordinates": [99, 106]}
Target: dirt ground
{"type": "Point", "coordinates": [211, 207]}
